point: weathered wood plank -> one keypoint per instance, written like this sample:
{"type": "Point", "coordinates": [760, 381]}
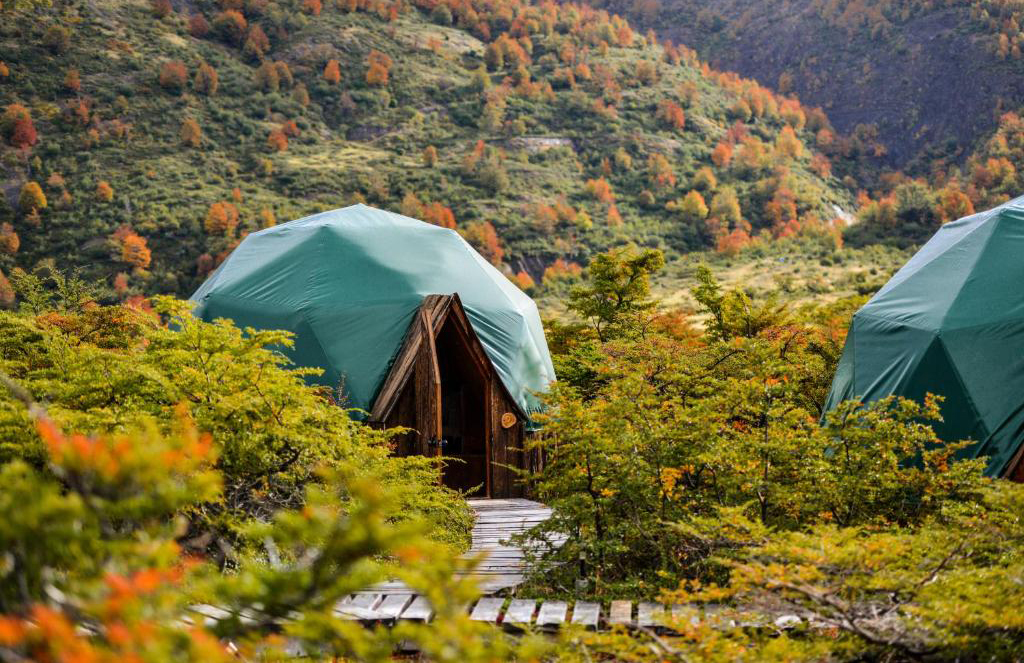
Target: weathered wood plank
{"type": "Point", "coordinates": [394, 604]}
{"type": "Point", "coordinates": [367, 601]}
{"type": "Point", "coordinates": [487, 610]}
{"type": "Point", "coordinates": [649, 614]}
{"type": "Point", "coordinates": [586, 613]}
{"type": "Point", "coordinates": [552, 613]}
{"type": "Point", "coordinates": [620, 612]}
{"type": "Point", "coordinates": [520, 611]}
{"type": "Point", "coordinates": [419, 610]}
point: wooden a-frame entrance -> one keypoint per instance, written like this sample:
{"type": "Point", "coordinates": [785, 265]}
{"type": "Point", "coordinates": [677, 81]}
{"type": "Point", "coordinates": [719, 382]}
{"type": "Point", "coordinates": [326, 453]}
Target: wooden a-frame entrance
{"type": "Point", "coordinates": [444, 387]}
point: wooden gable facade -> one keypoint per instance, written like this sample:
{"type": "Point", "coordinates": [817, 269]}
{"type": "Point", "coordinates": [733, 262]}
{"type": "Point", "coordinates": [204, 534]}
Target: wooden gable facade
{"type": "Point", "coordinates": [443, 386]}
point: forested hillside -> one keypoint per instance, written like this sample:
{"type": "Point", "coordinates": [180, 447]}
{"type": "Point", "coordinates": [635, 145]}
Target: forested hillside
{"type": "Point", "coordinates": [142, 141]}
{"type": "Point", "coordinates": [927, 80]}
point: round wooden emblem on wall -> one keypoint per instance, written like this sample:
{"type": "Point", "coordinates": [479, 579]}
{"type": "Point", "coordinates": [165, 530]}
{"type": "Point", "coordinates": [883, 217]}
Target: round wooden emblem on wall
{"type": "Point", "coordinates": [508, 420]}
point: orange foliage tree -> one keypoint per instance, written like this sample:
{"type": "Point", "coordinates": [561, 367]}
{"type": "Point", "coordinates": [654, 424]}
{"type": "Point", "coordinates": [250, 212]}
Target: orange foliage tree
{"type": "Point", "coordinates": [671, 114]}
{"type": "Point", "coordinates": [256, 42]}
{"type": "Point", "coordinates": [312, 7]}
{"type": "Point", "coordinates": [659, 172]}
{"type": "Point", "coordinates": [31, 198]}
{"type": "Point", "coordinates": [600, 190]}
{"type": "Point", "coordinates": [523, 280]}
{"type": "Point", "coordinates": [231, 25]}
{"type": "Point", "coordinates": [198, 26]}
{"type": "Point", "coordinates": [173, 76]}
{"type": "Point", "coordinates": [206, 80]}
{"type": "Point", "coordinates": [721, 156]}
{"type": "Point", "coordinates": [104, 192]}
{"type": "Point", "coordinates": [17, 127]}
{"type": "Point", "coordinates": [221, 219]}
{"type": "Point", "coordinates": [439, 215]}
{"type": "Point", "coordinates": [135, 252]}
{"type": "Point", "coordinates": [430, 156]}
{"type": "Point", "coordinates": [953, 204]}
{"type": "Point", "coordinates": [9, 240]}
{"type": "Point", "coordinates": [191, 133]}
{"type": "Point", "coordinates": [72, 80]}
{"type": "Point", "coordinates": [484, 238]}
{"type": "Point", "coordinates": [277, 141]}
{"type": "Point", "coordinates": [379, 68]}
{"type": "Point", "coordinates": [332, 72]}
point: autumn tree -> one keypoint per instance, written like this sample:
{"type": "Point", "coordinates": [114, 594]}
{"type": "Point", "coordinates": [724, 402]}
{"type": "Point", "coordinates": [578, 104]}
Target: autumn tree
{"type": "Point", "coordinates": [104, 192]}
{"type": "Point", "coordinates": [704, 179]}
{"type": "Point", "coordinates": [600, 190]}
{"type": "Point", "coordinates": [17, 127]}
{"type": "Point", "coordinates": [9, 240]}
{"type": "Point", "coordinates": [725, 206]}
{"type": "Point", "coordinates": [256, 42]}
{"type": "Point", "coordinates": [312, 7]}
{"type": "Point", "coordinates": [953, 204]}
{"type": "Point", "coordinates": [267, 77]}
{"type": "Point", "coordinates": [198, 26]}
{"type": "Point", "coordinates": [72, 81]}
{"type": "Point", "coordinates": [332, 72]}
{"type": "Point", "coordinates": [721, 156]}
{"type": "Point", "coordinates": [523, 281]}
{"type": "Point", "coordinates": [379, 68]}
{"type": "Point", "coordinates": [430, 156]}
{"type": "Point", "coordinates": [613, 217]}
{"type": "Point", "coordinates": [206, 80]}
{"type": "Point", "coordinates": [484, 238]}
{"type": "Point", "coordinates": [173, 76]}
{"type": "Point", "coordinates": [277, 141]}
{"type": "Point", "coordinates": [787, 145]}
{"type": "Point", "coordinates": [692, 207]}
{"type": "Point", "coordinates": [134, 250]}
{"type": "Point", "coordinates": [221, 219]}
{"type": "Point", "coordinates": [660, 173]}
{"type": "Point", "coordinates": [439, 215]}
{"type": "Point", "coordinates": [671, 114]}
{"type": "Point", "coordinates": [191, 133]}
{"type": "Point", "coordinates": [161, 8]}
{"type": "Point", "coordinates": [231, 25]}
{"type": "Point", "coordinates": [31, 198]}
{"type": "Point", "coordinates": [290, 128]}
{"type": "Point", "coordinates": [301, 95]}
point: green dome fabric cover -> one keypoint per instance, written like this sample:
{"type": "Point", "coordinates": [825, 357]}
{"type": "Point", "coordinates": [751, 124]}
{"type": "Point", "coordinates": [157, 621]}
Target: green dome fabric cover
{"type": "Point", "coordinates": [348, 283]}
{"type": "Point", "coordinates": [951, 322]}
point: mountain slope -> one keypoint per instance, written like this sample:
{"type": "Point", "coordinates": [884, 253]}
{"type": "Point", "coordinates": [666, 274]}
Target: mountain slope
{"type": "Point", "coordinates": [542, 132]}
{"type": "Point", "coordinates": [930, 77]}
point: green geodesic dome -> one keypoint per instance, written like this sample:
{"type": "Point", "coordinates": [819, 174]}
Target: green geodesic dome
{"type": "Point", "coordinates": [951, 322]}
{"type": "Point", "coordinates": [348, 282]}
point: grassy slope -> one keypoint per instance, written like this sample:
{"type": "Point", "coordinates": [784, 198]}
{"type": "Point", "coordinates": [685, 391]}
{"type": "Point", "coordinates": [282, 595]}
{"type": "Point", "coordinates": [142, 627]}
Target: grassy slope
{"type": "Point", "coordinates": [355, 141]}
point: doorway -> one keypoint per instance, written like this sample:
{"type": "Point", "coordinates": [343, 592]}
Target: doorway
{"type": "Point", "coordinates": [464, 413]}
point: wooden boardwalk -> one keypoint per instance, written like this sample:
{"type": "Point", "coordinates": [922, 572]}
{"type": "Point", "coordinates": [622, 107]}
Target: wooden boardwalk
{"type": "Point", "coordinates": [503, 565]}
{"type": "Point", "coordinates": [495, 522]}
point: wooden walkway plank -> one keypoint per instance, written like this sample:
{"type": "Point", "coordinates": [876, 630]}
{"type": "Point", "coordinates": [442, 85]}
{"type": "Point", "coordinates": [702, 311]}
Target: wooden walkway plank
{"type": "Point", "coordinates": [394, 604]}
{"type": "Point", "coordinates": [552, 613]}
{"type": "Point", "coordinates": [520, 611]}
{"type": "Point", "coordinates": [621, 612]}
{"type": "Point", "coordinates": [487, 610]}
{"type": "Point", "coordinates": [419, 610]}
{"type": "Point", "coordinates": [649, 614]}
{"type": "Point", "coordinates": [586, 613]}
